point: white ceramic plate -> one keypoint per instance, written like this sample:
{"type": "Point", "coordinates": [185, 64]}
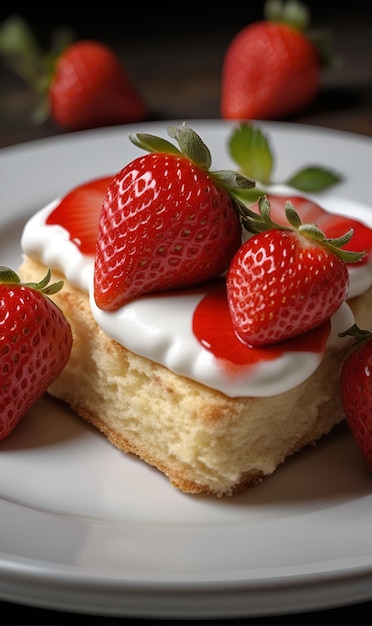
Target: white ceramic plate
{"type": "Point", "coordinates": [86, 528]}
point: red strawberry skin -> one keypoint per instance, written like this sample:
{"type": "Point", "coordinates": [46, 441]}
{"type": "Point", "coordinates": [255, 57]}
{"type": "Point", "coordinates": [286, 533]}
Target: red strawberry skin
{"type": "Point", "coordinates": [270, 71]}
{"type": "Point", "coordinates": [35, 344]}
{"type": "Point", "coordinates": [280, 285]}
{"type": "Point", "coordinates": [356, 394]}
{"type": "Point", "coordinates": [78, 212]}
{"type": "Point", "coordinates": [91, 88]}
{"type": "Point", "coordinates": [164, 223]}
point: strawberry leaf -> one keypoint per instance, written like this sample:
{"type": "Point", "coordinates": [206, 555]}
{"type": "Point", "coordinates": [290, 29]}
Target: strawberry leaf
{"type": "Point", "coordinates": [191, 145]}
{"type": "Point", "coordinates": [152, 143]}
{"type": "Point", "coordinates": [9, 277]}
{"type": "Point", "coordinates": [360, 334]}
{"type": "Point", "coordinates": [250, 150]}
{"type": "Point", "coordinates": [313, 178]}
{"type": "Point", "coordinates": [234, 180]}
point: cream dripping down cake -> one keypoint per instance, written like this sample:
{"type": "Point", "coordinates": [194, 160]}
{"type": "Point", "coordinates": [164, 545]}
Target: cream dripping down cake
{"type": "Point", "coordinates": [168, 359]}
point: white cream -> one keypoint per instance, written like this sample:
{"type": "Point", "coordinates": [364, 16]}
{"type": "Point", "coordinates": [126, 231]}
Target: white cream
{"type": "Point", "coordinates": [161, 328]}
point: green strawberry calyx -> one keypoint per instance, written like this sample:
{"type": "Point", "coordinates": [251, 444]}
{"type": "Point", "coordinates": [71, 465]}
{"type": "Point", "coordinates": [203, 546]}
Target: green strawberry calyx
{"type": "Point", "coordinates": [10, 277]}
{"type": "Point", "coordinates": [359, 335]}
{"type": "Point", "coordinates": [258, 222]}
{"type": "Point", "coordinates": [193, 148]}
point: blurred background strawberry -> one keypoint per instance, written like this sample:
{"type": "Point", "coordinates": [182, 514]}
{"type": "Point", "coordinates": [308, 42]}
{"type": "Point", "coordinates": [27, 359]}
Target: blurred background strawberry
{"type": "Point", "coordinates": [272, 67]}
{"type": "Point", "coordinates": [80, 84]}
{"type": "Point", "coordinates": [176, 68]}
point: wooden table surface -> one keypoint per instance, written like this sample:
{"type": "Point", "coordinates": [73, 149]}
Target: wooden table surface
{"type": "Point", "coordinates": [175, 61]}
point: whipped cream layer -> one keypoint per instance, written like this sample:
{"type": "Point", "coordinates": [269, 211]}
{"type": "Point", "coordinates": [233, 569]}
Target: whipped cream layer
{"type": "Point", "coordinates": [160, 328]}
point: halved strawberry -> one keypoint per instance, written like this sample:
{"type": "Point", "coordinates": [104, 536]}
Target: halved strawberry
{"type": "Point", "coordinates": [78, 212]}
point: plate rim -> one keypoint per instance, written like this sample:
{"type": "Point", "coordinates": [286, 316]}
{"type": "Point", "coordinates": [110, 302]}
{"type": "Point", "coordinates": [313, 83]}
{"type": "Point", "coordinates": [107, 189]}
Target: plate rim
{"type": "Point", "coordinates": [183, 604]}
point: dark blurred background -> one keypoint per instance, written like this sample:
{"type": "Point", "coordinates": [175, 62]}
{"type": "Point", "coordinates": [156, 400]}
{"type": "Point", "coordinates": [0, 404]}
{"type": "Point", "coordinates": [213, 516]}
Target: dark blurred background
{"type": "Point", "coordinates": [174, 57]}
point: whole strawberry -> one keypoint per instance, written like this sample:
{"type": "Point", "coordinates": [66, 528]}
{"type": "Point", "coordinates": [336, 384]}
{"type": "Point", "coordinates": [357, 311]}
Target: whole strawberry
{"type": "Point", "coordinates": [35, 344]}
{"type": "Point", "coordinates": [286, 280]}
{"type": "Point", "coordinates": [356, 390]}
{"type": "Point", "coordinates": [80, 84]}
{"type": "Point", "coordinates": [91, 88]}
{"type": "Point", "coordinates": [167, 221]}
{"type": "Point", "coordinates": [271, 68]}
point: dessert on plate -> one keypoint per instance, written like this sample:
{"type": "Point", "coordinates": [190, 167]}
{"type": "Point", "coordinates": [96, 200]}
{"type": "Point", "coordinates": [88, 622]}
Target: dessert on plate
{"type": "Point", "coordinates": [157, 363]}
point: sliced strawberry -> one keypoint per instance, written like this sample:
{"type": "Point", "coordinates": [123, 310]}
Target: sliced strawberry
{"type": "Point", "coordinates": [78, 212]}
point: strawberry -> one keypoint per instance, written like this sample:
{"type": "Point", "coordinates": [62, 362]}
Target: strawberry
{"type": "Point", "coordinates": [35, 344]}
{"type": "Point", "coordinates": [82, 84]}
{"type": "Point", "coordinates": [167, 221]}
{"type": "Point", "coordinates": [78, 212]}
{"type": "Point", "coordinates": [285, 280]}
{"type": "Point", "coordinates": [271, 68]}
{"type": "Point", "coordinates": [356, 389]}
{"type": "Point", "coordinates": [91, 88]}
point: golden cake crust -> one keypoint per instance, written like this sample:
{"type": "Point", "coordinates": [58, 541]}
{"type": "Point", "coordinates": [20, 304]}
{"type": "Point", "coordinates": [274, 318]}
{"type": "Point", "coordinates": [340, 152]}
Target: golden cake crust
{"type": "Point", "coordinates": [202, 440]}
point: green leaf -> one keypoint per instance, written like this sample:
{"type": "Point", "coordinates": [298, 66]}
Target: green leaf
{"type": "Point", "coordinates": [233, 180]}
{"type": "Point", "coordinates": [250, 150]}
{"type": "Point", "coordinates": [8, 276]}
{"type": "Point", "coordinates": [191, 145]}
{"type": "Point", "coordinates": [313, 178]}
{"type": "Point", "coordinates": [16, 38]}
{"type": "Point", "coordinates": [20, 50]}
{"type": "Point", "coordinates": [152, 143]}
